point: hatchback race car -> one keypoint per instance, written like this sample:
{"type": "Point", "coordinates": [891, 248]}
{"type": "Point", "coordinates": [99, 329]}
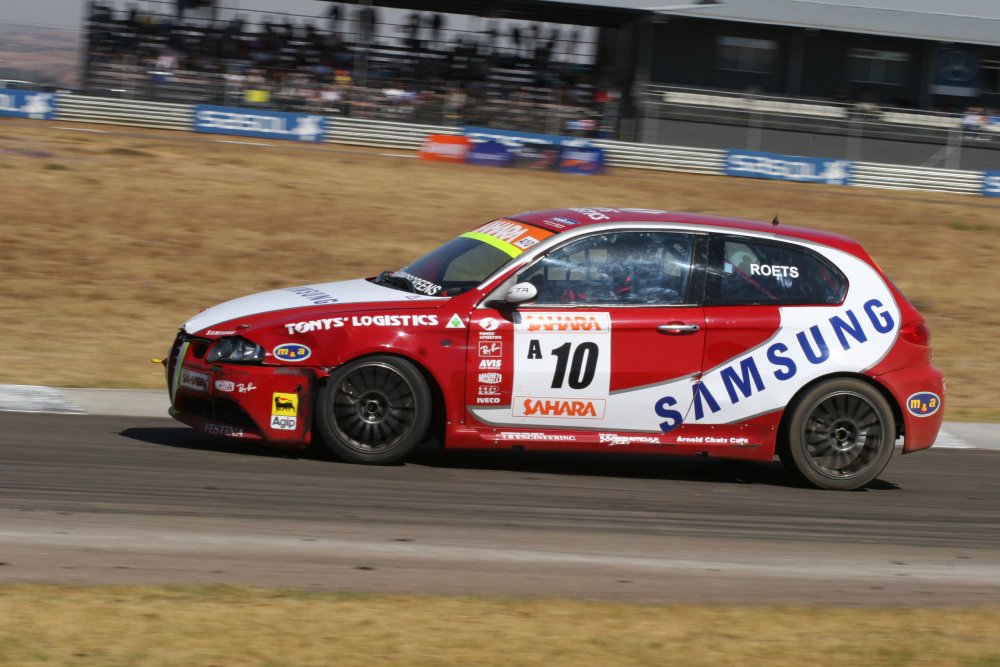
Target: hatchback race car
{"type": "Point", "coordinates": [584, 329]}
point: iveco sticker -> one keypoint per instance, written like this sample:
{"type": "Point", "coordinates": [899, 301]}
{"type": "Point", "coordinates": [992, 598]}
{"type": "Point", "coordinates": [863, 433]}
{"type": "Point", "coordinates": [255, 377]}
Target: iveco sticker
{"type": "Point", "coordinates": [292, 352]}
{"type": "Point", "coordinates": [923, 404]}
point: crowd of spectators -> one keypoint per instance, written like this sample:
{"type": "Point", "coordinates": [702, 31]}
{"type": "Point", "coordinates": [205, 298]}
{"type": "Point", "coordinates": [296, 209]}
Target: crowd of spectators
{"type": "Point", "coordinates": [350, 62]}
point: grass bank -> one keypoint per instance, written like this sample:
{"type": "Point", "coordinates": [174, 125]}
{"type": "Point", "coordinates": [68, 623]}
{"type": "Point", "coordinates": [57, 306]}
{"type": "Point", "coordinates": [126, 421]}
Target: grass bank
{"type": "Point", "coordinates": [157, 626]}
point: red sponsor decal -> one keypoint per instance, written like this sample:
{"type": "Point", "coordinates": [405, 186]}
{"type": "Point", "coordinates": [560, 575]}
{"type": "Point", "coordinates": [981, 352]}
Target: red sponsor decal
{"type": "Point", "coordinates": [559, 407]}
{"type": "Point", "coordinates": [445, 148]}
{"type": "Point", "coordinates": [568, 322]}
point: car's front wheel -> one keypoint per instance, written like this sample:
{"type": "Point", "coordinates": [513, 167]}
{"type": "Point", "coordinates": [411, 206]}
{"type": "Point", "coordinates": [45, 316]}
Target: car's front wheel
{"type": "Point", "coordinates": [840, 436]}
{"type": "Point", "coordinates": [374, 410]}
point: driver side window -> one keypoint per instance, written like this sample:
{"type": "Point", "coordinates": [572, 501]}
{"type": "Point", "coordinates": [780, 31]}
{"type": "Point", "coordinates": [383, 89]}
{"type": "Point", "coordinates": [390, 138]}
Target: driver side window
{"type": "Point", "coordinates": [621, 268]}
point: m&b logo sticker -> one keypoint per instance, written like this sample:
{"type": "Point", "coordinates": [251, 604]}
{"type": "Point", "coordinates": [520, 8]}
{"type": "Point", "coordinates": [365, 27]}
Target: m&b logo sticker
{"type": "Point", "coordinates": [923, 404]}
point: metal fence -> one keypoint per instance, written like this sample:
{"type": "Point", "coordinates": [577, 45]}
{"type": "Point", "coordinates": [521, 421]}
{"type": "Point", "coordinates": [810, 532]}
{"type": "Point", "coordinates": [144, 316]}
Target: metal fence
{"type": "Point", "coordinates": [407, 136]}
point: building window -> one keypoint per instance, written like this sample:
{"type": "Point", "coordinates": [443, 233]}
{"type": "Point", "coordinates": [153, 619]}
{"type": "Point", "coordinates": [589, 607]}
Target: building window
{"type": "Point", "coordinates": [741, 54]}
{"type": "Point", "coordinates": [990, 71]}
{"type": "Point", "coordinates": [874, 66]}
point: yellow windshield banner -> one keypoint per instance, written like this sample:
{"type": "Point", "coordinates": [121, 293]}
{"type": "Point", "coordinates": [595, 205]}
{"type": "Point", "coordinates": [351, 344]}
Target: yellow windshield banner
{"type": "Point", "coordinates": [508, 236]}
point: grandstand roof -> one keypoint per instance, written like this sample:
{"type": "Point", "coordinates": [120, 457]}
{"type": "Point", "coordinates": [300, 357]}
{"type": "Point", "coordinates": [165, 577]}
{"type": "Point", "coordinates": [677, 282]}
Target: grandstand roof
{"type": "Point", "coordinates": [960, 21]}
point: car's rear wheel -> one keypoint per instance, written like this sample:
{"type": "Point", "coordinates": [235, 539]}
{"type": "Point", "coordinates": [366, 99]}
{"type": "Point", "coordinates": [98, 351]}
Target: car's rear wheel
{"type": "Point", "coordinates": [840, 436]}
{"type": "Point", "coordinates": [374, 410]}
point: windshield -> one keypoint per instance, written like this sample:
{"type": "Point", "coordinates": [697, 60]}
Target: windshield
{"type": "Point", "coordinates": [464, 262]}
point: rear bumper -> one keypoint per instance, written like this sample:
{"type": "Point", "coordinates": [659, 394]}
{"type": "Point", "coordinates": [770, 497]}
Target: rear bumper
{"type": "Point", "coordinates": [920, 395]}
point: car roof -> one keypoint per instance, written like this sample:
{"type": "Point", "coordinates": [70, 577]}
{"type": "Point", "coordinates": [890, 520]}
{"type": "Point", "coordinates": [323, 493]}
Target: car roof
{"type": "Point", "coordinates": [562, 219]}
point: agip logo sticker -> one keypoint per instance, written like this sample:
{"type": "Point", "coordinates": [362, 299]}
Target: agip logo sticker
{"type": "Point", "coordinates": [284, 411]}
{"type": "Point", "coordinates": [292, 352]}
{"type": "Point", "coordinates": [923, 404]}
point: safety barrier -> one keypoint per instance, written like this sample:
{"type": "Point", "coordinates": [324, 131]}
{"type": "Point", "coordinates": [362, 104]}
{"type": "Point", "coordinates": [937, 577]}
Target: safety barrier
{"type": "Point", "coordinates": [895, 177]}
{"type": "Point", "coordinates": [408, 136]}
{"type": "Point", "coordinates": [135, 113]}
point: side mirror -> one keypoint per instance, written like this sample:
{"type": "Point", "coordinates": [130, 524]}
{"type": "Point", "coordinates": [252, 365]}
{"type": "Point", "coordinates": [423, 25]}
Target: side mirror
{"type": "Point", "coordinates": [521, 293]}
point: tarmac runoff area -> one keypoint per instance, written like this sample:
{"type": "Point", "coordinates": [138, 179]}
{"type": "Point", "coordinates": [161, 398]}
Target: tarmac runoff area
{"type": "Point", "coordinates": [148, 403]}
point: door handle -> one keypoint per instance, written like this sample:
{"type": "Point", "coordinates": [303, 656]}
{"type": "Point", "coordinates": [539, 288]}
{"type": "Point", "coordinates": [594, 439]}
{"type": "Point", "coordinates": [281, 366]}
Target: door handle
{"type": "Point", "coordinates": [678, 328]}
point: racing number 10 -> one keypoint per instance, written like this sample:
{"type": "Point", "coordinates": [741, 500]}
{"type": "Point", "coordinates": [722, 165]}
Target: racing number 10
{"type": "Point", "coordinates": [581, 369]}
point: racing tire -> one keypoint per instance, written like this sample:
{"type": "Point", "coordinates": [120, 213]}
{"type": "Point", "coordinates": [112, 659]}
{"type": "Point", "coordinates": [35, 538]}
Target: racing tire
{"type": "Point", "coordinates": [841, 435]}
{"type": "Point", "coordinates": [374, 410]}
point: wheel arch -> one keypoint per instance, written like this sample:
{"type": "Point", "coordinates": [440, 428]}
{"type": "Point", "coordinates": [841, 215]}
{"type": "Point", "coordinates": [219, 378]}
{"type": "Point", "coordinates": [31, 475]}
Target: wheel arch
{"type": "Point", "coordinates": [439, 417]}
{"type": "Point", "coordinates": [786, 417]}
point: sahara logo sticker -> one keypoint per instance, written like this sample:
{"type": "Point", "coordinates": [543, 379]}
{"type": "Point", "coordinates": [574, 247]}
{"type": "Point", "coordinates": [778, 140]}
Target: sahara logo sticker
{"type": "Point", "coordinates": [292, 352]}
{"type": "Point", "coordinates": [923, 404]}
{"type": "Point", "coordinates": [284, 411]}
{"type": "Point", "coordinates": [225, 386]}
{"type": "Point", "coordinates": [557, 322]}
{"type": "Point", "coordinates": [558, 407]}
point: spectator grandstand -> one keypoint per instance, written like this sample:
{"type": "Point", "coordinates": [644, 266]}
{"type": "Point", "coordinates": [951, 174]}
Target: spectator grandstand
{"type": "Point", "coordinates": [356, 60]}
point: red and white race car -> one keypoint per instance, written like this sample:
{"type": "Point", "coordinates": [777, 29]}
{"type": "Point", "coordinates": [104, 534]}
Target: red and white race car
{"type": "Point", "coordinates": [586, 329]}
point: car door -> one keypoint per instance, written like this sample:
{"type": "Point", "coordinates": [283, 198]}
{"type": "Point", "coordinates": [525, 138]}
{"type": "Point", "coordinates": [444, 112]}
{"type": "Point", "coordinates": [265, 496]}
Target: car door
{"type": "Point", "coordinates": [612, 345]}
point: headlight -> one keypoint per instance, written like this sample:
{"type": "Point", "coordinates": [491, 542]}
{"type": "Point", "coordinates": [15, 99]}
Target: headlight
{"type": "Point", "coordinates": [235, 350]}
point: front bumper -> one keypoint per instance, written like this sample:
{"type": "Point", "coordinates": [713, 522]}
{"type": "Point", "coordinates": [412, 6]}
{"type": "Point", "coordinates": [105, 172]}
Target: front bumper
{"type": "Point", "coordinates": [251, 402]}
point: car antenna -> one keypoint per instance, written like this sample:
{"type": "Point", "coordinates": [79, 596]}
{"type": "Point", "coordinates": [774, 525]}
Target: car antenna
{"type": "Point", "coordinates": [774, 220]}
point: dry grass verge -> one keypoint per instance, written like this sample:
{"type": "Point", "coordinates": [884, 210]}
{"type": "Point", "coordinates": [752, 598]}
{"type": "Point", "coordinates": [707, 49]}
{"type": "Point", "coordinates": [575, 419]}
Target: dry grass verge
{"type": "Point", "coordinates": [195, 627]}
{"type": "Point", "coordinates": [108, 242]}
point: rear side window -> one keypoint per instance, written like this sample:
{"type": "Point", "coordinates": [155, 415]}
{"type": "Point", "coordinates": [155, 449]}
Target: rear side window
{"type": "Point", "coordinates": [748, 271]}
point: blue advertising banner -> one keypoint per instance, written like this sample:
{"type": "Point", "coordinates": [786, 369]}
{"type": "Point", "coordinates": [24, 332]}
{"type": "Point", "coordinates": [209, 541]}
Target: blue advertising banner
{"type": "Point", "coordinates": [490, 154]}
{"type": "Point", "coordinates": [27, 104]}
{"type": "Point", "coordinates": [991, 184]}
{"type": "Point", "coordinates": [956, 72]}
{"type": "Point", "coordinates": [754, 164]}
{"type": "Point", "coordinates": [583, 160]}
{"type": "Point", "coordinates": [515, 140]}
{"type": "Point", "coordinates": [259, 123]}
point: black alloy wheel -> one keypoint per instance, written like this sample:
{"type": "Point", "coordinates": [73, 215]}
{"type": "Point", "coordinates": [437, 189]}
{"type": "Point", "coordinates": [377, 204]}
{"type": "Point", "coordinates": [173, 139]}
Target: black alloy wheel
{"type": "Point", "coordinates": [840, 436]}
{"type": "Point", "coordinates": [374, 410]}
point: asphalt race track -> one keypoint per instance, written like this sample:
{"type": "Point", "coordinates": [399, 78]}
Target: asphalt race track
{"type": "Point", "coordinates": [90, 499]}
